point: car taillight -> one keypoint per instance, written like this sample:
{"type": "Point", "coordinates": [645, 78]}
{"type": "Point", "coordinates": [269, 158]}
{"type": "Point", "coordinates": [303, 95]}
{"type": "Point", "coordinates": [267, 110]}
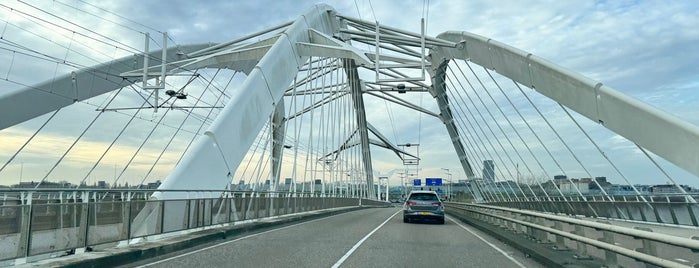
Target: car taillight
{"type": "Point", "coordinates": [436, 204]}
{"type": "Point", "coordinates": [411, 203]}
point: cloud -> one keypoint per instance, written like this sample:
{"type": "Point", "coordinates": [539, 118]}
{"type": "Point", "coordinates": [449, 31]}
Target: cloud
{"type": "Point", "coordinates": [645, 49]}
{"type": "Point", "coordinates": [39, 156]}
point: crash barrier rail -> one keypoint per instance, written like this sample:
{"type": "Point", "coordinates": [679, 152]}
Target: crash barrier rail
{"type": "Point", "coordinates": [615, 245]}
{"type": "Point", "coordinates": [667, 208]}
{"type": "Point", "coordinates": [61, 221]}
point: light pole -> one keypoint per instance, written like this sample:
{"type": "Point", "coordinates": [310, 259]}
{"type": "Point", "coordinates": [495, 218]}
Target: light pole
{"type": "Point", "coordinates": [446, 172]}
{"type": "Point", "coordinates": [21, 170]}
{"type": "Point", "coordinates": [379, 190]}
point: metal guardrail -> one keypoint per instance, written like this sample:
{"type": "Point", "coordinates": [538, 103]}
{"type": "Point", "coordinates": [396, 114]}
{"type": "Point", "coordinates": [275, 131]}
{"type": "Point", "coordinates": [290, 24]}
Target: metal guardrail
{"type": "Point", "coordinates": [670, 209]}
{"type": "Point", "coordinates": [615, 245]}
{"type": "Point", "coordinates": [44, 222]}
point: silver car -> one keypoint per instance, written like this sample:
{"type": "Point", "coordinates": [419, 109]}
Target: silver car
{"type": "Point", "coordinates": [423, 205]}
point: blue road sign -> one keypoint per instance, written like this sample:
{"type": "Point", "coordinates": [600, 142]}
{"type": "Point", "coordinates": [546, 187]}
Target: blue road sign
{"type": "Point", "coordinates": [433, 181]}
{"type": "Point", "coordinates": [417, 182]}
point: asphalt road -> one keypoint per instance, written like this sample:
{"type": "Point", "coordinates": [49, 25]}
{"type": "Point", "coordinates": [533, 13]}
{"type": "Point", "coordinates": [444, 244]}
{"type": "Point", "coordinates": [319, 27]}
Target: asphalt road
{"type": "Point", "coordinates": [362, 238]}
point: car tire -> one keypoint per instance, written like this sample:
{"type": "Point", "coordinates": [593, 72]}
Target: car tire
{"type": "Point", "coordinates": [441, 221]}
{"type": "Point", "coordinates": [406, 220]}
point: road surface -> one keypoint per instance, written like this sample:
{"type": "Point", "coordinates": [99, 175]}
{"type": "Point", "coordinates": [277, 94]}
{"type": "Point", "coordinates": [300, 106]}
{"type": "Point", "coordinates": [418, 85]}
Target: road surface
{"type": "Point", "coordinates": [362, 238]}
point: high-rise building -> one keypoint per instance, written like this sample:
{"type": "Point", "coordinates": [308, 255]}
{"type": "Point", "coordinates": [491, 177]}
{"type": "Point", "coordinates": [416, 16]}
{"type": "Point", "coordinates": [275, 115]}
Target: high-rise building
{"type": "Point", "coordinates": [488, 170]}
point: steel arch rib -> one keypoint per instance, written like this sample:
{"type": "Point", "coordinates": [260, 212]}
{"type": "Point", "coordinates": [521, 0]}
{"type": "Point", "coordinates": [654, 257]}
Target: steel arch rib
{"type": "Point", "coordinates": [212, 161]}
{"type": "Point", "coordinates": [663, 134]}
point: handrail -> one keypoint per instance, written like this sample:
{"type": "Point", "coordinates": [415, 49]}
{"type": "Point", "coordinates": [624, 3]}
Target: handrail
{"type": "Point", "coordinates": [638, 234]}
{"type": "Point", "coordinates": [34, 222]}
{"type": "Point", "coordinates": [143, 190]}
{"type": "Point", "coordinates": [672, 240]}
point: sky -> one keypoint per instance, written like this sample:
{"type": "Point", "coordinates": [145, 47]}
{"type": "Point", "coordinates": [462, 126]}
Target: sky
{"type": "Point", "coordinates": [645, 49]}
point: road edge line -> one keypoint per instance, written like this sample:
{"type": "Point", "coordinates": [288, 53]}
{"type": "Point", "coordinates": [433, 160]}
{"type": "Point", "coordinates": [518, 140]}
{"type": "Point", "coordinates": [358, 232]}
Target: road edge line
{"type": "Point", "coordinates": [349, 253]}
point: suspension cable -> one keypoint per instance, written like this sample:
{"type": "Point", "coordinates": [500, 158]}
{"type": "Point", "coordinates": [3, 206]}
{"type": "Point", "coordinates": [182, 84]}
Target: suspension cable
{"type": "Point", "coordinates": [29, 140]}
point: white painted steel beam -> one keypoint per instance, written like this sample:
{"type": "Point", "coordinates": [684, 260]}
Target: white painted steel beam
{"type": "Point", "coordinates": [438, 90]}
{"type": "Point", "coordinates": [211, 161]}
{"type": "Point", "coordinates": [356, 89]}
{"type": "Point", "coordinates": [31, 102]}
{"type": "Point", "coordinates": [228, 138]}
{"type": "Point", "coordinates": [386, 143]}
{"type": "Point", "coordinates": [278, 135]}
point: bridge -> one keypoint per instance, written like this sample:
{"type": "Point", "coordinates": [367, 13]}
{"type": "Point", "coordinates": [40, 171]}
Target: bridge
{"type": "Point", "coordinates": [264, 150]}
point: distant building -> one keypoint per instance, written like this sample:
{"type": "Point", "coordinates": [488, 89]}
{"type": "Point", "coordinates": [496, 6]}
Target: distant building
{"type": "Point", "coordinates": [601, 180]}
{"type": "Point", "coordinates": [668, 188]}
{"type": "Point", "coordinates": [569, 187]}
{"type": "Point", "coordinates": [560, 177]}
{"type": "Point", "coordinates": [488, 170]}
{"type": "Point", "coordinates": [619, 189]}
{"type": "Point", "coordinates": [154, 185]}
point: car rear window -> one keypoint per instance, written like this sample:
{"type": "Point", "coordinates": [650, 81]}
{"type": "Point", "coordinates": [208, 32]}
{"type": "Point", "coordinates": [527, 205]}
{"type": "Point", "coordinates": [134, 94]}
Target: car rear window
{"type": "Point", "coordinates": [424, 197]}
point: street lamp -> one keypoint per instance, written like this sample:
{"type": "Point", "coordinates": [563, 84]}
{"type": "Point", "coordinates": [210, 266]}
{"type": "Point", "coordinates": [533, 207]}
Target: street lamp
{"type": "Point", "coordinates": [446, 171]}
{"type": "Point", "coordinates": [379, 190]}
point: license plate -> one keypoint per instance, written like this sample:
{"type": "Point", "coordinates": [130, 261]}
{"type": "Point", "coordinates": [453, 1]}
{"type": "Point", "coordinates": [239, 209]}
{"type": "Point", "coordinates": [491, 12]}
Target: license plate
{"type": "Point", "coordinates": [423, 213]}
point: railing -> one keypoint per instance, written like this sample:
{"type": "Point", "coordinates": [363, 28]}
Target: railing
{"type": "Point", "coordinates": [615, 245]}
{"type": "Point", "coordinates": [668, 208]}
{"type": "Point", "coordinates": [47, 221]}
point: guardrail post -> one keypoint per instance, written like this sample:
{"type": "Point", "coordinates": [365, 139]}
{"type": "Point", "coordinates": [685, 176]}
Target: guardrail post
{"type": "Point", "coordinates": [610, 257]}
{"type": "Point", "coordinates": [232, 211]}
{"type": "Point", "coordinates": [486, 216]}
{"type": "Point", "coordinates": [294, 200]}
{"type": "Point", "coordinates": [25, 230]}
{"type": "Point", "coordinates": [657, 214]}
{"type": "Point", "coordinates": [188, 215]}
{"type": "Point", "coordinates": [161, 215]}
{"type": "Point", "coordinates": [201, 212]}
{"type": "Point", "coordinates": [648, 246]}
{"type": "Point", "coordinates": [540, 236]}
{"type": "Point", "coordinates": [519, 228]}
{"type": "Point", "coordinates": [84, 216]}
{"type": "Point", "coordinates": [560, 240]}
{"type": "Point", "coordinates": [125, 219]}
{"type": "Point", "coordinates": [510, 224]}
{"type": "Point", "coordinates": [270, 205]}
{"type": "Point", "coordinates": [209, 212]}
{"type": "Point", "coordinates": [244, 206]}
{"type": "Point", "coordinates": [531, 232]}
{"type": "Point", "coordinates": [580, 246]}
{"type": "Point", "coordinates": [257, 205]}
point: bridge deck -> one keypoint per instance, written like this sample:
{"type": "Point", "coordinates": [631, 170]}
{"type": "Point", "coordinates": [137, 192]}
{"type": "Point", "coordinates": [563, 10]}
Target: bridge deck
{"type": "Point", "coordinates": [367, 237]}
{"type": "Point", "coordinates": [324, 243]}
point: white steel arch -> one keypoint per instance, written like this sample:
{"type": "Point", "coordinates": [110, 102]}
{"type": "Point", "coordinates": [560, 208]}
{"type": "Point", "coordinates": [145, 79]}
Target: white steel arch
{"type": "Point", "coordinates": [661, 133]}
{"type": "Point", "coordinates": [234, 130]}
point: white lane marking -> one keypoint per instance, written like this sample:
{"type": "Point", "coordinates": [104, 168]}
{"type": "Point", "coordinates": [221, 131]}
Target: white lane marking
{"type": "Point", "coordinates": [344, 258]}
{"type": "Point", "coordinates": [489, 244]}
{"type": "Point", "coordinates": [235, 240]}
